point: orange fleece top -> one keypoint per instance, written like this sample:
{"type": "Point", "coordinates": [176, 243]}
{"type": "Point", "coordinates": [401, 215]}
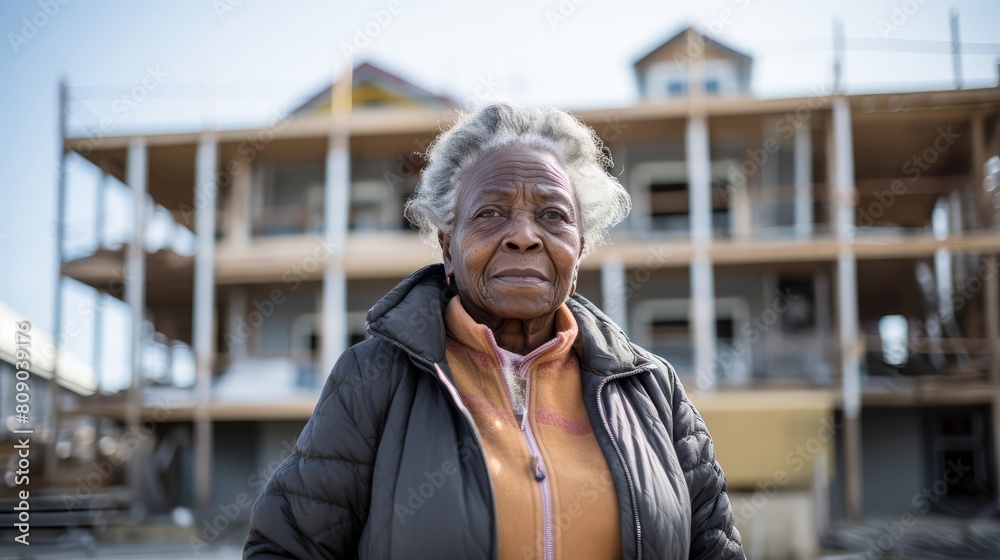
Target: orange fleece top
{"type": "Point", "coordinates": [583, 506]}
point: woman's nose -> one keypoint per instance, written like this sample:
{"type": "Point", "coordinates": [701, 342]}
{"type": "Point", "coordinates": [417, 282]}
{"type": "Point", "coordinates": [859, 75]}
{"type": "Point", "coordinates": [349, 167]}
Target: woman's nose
{"type": "Point", "coordinates": [521, 235]}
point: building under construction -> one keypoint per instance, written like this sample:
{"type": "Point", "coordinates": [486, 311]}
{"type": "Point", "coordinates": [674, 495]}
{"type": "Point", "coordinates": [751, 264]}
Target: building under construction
{"type": "Point", "coordinates": [820, 270]}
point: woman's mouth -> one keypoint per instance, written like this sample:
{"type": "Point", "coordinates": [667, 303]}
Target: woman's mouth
{"type": "Point", "coordinates": [520, 276]}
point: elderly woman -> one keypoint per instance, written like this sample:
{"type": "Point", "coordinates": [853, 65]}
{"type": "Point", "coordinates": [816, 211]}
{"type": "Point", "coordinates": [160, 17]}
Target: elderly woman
{"type": "Point", "coordinates": [494, 413]}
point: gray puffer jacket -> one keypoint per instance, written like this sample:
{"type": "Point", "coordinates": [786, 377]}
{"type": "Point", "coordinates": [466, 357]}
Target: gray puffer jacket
{"type": "Point", "coordinates": [390, 466]}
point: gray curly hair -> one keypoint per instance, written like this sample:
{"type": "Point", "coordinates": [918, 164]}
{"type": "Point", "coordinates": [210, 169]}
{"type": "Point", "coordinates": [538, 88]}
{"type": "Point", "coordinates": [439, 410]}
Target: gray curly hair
{"type": "Point", "coordinates": [603, 202]}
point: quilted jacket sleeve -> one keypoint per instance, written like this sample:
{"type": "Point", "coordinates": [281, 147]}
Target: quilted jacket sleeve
{"type": "Point", "coordinates": [713, 533]}
{"type": "Point", "coordinates": [315, 503]}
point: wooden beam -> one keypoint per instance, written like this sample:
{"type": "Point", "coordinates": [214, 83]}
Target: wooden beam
{"type": "Point", "coordinates": [948, 345]}
{"type": "Point", "coordinates": [852, 462]}
{"type": "Point", "coordinates": [929, 393]}
{"type": "Point", "coordinates": [902, 186]}
{"type": "Point", "coordinates": [992, 291]}
{"type": "Point", "coordinates": [394, 254]}
{"type": "Point", "coordinates": [996, 440]}
{"type": "Point", "coordinates": [992, 319]}
{"type": "Point", "coordinates": [978, 133]}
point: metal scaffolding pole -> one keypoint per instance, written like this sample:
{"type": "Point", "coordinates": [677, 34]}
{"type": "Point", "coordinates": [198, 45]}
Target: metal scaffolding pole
{"type": "Point", "coordinates": [51, 460]}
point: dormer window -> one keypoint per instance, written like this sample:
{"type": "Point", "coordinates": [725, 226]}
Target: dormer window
{"type": "Point", "coordinates": [665, 71]}
{"type": "Point", "coordinates": [712, 86]}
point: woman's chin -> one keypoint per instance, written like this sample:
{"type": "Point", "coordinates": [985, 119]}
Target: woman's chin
{"type": "Point", "coordinates": [513, 293]}
{"type": "Point", "coordinates": [523, 307]}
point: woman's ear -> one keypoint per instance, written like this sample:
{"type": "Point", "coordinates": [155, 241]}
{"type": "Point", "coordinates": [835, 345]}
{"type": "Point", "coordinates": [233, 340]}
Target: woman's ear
{"type": "Point", "coordinates": [576, 271]}
{"type": "Point", "coordinates": [445, 241]}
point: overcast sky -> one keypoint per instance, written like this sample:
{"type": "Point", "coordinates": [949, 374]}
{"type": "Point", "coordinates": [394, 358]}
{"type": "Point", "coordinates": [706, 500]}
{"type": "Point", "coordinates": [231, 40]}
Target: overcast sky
{"type": "Point", "coordinates": [265, 57]}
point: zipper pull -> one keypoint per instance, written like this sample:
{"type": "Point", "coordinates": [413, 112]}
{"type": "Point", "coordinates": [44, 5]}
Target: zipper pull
{"type": "Point", "coordinates": [539, 469]}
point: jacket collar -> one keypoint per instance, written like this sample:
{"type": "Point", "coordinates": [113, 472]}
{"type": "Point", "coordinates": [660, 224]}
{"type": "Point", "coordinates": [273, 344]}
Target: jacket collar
{"type": "Point", "coordinates": [479, 338]}
{"type": "Point", "coordinates": [412, 315]}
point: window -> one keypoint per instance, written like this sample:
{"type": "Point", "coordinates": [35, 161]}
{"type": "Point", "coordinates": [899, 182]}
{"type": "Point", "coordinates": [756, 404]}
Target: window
{"type": "Point", "coordinates": [800, 315]}
{"type": "Point", "coordinates": [893, 330]}
{"type": "Point", "coordinates": [379, 188]}
{"type": "Point", "coordinates": [676, 88]}
{"type": "Point", "coordinates": [712, 86]}
{"type": "Point", "coordinates": [720, 190]}
{"type": "Point", "coordinates": [670, 337]}
{"type": "Point", "coordinates": [663, 327]}
{"type": "Point", "coordinates": [288, 198]}
{"type": "Point", "coordinates": [668, 206]}
{"type": "Point", "coordinates": [800, 347]}
{"type": "Point", "coordinates": [956, 445]}
{"type": "Point", "coordinates": [372, 206]}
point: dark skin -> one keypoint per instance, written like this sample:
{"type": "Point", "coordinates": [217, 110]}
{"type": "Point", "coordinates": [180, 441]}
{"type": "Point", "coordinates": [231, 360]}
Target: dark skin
{"type": "Point", "coordinates": [515, 250]}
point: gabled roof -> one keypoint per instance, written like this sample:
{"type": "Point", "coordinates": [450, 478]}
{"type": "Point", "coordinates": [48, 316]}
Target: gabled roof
{"type": "Point", "coordinates": [679, 41]}
{"type": "Point", "coordinates": [371, 85]}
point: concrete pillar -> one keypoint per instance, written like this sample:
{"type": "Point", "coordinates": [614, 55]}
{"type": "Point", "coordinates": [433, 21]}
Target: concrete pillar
{"type": "Point", "coordinates": [824, 324]}
{"type": "Point", "coordinates": [337, 199]}
{"type": "Point", "coordinates": [802, 167]}
{"type": "Point", "coordinates": [847, 311]}
{"type": "Point", "coordinates": [613, 289]}
{"type": "Point", "coordinates": [768, 196]}
{"type": "Point", "coordinates": [844, 193]}
{"type": "Point", "coordinates": [699, 170]}
{"type": "Point", "coordinates": [831, 179]}
{"type": "Point", "coordinates": [236, 313]}
{"type": "Point", "coordinates": [238, 221]}
{"type": "Point", "coordinates": [993, 318]}
{"type": "Point", "coordinates": [136, 173]}
{"type": "Point", "coordinates": [992, 288]}
{"type": "Point", "coordinates": [740, 211]}
{"type": "Point", "coordinates": [993, 336]}
{"type": "Point", "coordinates": [995, 421]}
{"type": "Point", "coordinates": [203, 329]}
{"type": "Point", "coordinates": [774, 345]}
{"type": "Point", "coordinates": [980, 153]}
{"type": "Point", "coordinates": [844, 197]}
{"type": "Point", "coordinates": [100, 210]}
{"type": "Point", "coordinates": [204, 262]}
{"type": "Point", "coordinates": [702, 278]}
{"type": "Point", "coordinates": [703, 321]}
{"type": "Point", "coordinates": [984, 212]}
{"type": "Point", "coordinates": [98, 359]}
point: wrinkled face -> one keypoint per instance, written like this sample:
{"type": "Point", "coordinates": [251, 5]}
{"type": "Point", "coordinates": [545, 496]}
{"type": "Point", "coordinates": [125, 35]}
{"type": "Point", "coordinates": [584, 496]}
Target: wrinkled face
{"type": "Point", "coordinates": [516, 243]}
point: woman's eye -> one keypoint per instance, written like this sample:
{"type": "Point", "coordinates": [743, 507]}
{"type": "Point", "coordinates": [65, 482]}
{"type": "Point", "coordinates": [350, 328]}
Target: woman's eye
{"type": "Point", "coordinates": [552, 215]}
{"type": "Point", "coordinates": [488, 213]}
